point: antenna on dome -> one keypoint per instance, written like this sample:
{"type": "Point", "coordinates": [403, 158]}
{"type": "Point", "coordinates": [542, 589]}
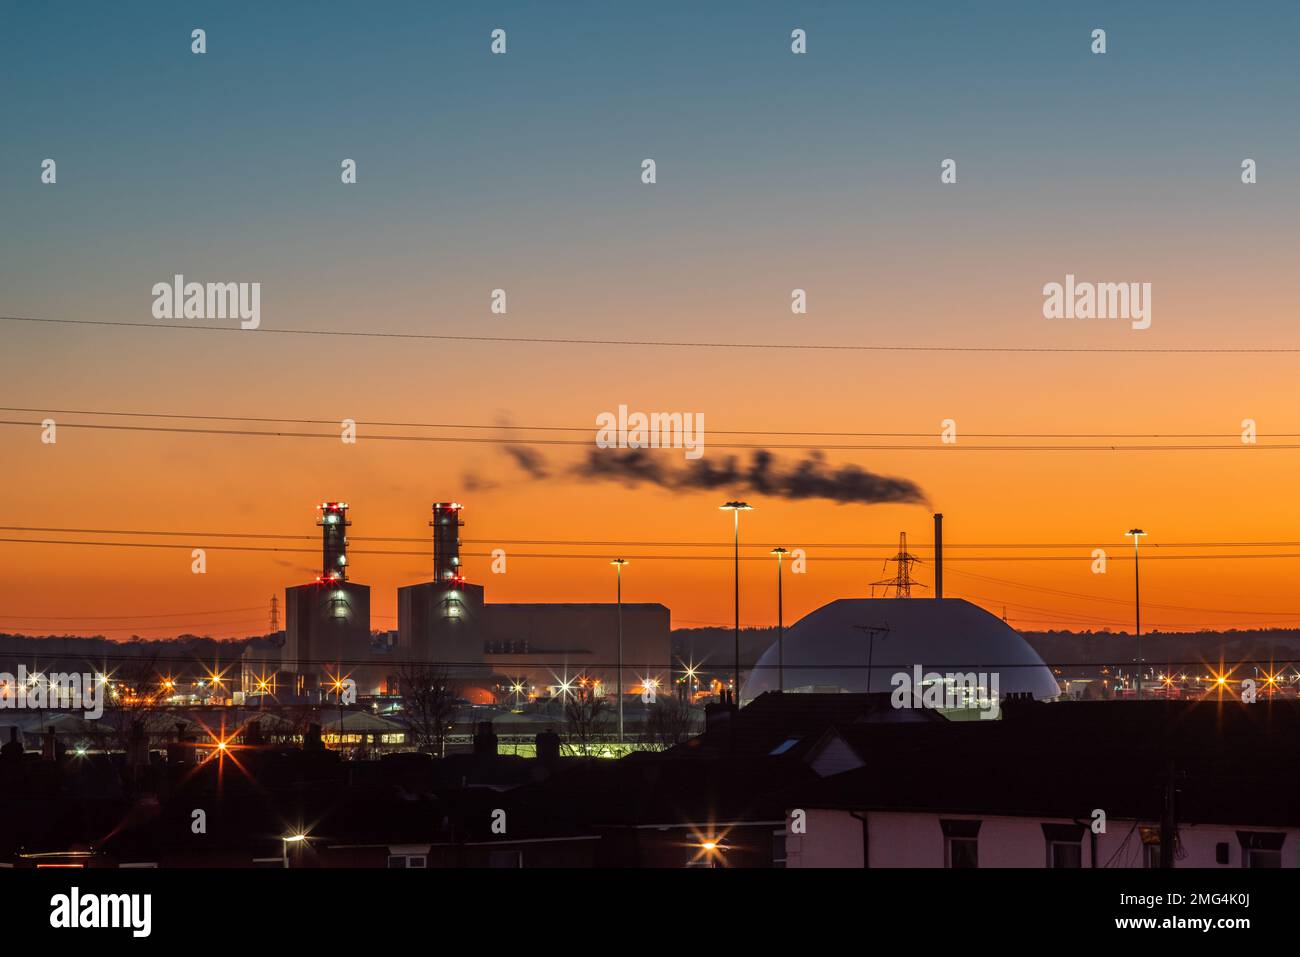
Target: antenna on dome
{"type": "Point", "coordinates": [902, 581]}
{"type": "Point", "coordinates": [871, 631]}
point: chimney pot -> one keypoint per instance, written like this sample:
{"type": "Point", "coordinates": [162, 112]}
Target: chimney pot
{"type": "Point", "coordinates": [938, 554]}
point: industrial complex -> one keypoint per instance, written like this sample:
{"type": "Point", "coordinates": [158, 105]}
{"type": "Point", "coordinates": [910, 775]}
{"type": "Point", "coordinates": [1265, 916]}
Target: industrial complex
{"type": "Point", "coordinates": [447, 623]}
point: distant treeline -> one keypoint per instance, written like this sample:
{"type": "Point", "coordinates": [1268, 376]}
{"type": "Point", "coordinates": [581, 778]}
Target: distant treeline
{"type": "Point", "coordinates": [1258, 645]}
{"type": "Point", "coordinates": [80, 652]}
{"type": "Point", "coordinates": [715, 647]}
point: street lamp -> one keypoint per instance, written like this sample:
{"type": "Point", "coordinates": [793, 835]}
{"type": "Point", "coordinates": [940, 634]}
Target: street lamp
{"type": "Point", "coordinates": [288, 839]}
{"type": "Point", "coordinates": [780, 554]}
{"type": "Point", "coordinates": [735, 508]}
{"type": "Point", "coordinates": [618, 564]}
{"type": "Point", "coordinates": [1137, 534]}
{"type": "Point", "coordinates": [711, 851]}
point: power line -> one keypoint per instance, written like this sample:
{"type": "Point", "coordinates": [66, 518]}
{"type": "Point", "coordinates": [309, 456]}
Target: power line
{"type": "Point", "coordinates": [1280, 621]}
{"type": "Point", "coordinates": [167, 614]}
{"type": "Point", "coordinates": [674, 558]}
{"type": "Point", "coordinates": [1050, 612]}
{"type": "Point", "coordinates": [1062, 615]}
{"type": "Point", "coordinates": [860, 447]}
{"type": "Point", "coordinates": [510, 427]}
{"type": "Point", "coordinates": [648, 543]}
{"type": "Point", "coordinates": [765, 547]}
{"type": "Point", "coordinates": [666, 343]}
{"type": "Point", "coordinates": [166, 533]}
{"type": "Point", "coordinates": [1127, 603]}
{"type": "Point", "coordinates": [172, 629]}
{"type": "Point", "coordinates": [499, 667]}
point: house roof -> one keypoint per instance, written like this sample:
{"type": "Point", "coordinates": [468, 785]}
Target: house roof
{"type": "Point", "coordinates": [667, 790]}
{"type": "Point", "coordinates": [358, 722]}
{"type": "Point", "coordinates": [794, 722]}
{"type": "Point", "coordinates": [1231, 764]}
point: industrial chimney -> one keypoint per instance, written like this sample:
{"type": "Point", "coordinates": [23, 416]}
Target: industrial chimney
{"type": "Point", "coordinates": [446, 542]}
{"type": "Point", "coordinates": [334, 541]}
{"type": "Point", "coordinates": [938, 554]}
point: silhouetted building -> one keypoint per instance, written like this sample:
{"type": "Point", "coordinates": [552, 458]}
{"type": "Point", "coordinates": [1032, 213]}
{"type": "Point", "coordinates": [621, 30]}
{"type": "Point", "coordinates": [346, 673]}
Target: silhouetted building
{"type": "Point", "coordinates": [327, 622]}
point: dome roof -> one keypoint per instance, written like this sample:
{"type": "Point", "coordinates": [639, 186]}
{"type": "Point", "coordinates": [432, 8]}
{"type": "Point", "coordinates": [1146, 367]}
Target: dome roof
{"type": "Point", "coordinates": [827, 650]}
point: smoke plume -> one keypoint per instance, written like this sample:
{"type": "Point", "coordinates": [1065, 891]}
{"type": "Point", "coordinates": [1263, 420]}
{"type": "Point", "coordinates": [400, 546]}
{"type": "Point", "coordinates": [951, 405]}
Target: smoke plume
{"type": "Point", "coordinates": [533, 463]}
{"type": "Point", "coordinates": [810, 477]}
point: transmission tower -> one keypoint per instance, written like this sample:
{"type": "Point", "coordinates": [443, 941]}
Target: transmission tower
{"type": "Point", "coordinates": [275, 614]}
{"type": "Point", "coordinates": [902, 581]}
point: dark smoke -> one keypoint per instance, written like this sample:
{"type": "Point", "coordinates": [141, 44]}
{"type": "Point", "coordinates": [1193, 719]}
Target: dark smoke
{"type": "Point", "coordinates": [810, 477]}
{"type": "Point", "coordinates": [473, 482]}
{"type": "Point", "coordinates": [532, 462]}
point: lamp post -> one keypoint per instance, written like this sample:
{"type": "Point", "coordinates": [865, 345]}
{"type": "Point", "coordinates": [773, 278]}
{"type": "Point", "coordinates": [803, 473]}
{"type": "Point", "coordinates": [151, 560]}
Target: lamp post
{"type": "Point", "coordinates": [735, 508]}
{"type": "Point", "coordinates": [1137, 534]}
{"type": "Point", "coordinates": [780, 554]}
{"type": "Point", "coordinates": [618, 564]}
{"type": "Point", "coordinates": [288, 839]}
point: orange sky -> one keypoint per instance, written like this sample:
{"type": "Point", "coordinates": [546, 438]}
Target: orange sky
{"type": "Point", "coordinates": [111, 480]}
{"type": "Point", "coordinates": [775, 172]}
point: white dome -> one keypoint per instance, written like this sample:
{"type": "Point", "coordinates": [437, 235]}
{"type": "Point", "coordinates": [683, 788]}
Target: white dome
{"type": "Point", "coordinates": [827, 650]}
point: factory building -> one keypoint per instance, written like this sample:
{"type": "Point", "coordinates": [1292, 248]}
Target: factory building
{"type": "Point", "coordinates": [543, 645]}
{"type": "Point", "coordinates": [439, 621]}
{"type": "Point", "coordinates": [327, 622]}
{"type": "Point", "coordinates": [448, 621]}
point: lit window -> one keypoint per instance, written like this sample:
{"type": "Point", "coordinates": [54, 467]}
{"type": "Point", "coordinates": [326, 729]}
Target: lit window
{"type": "Point", "coordinates": [1151, 850]}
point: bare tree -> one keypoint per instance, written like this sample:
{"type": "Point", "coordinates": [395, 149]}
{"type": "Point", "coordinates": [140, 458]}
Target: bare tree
{"type": "Point", "coordinates": [135, 714]}
{"type": "Point", "coordinates": [293, 723]}
{"type": "Point", "coordinates": [428, 698]}
{"type": "Point", "coordinates": [669, 722]}
{"type": "Point", "coordinates": [135, 704]}
{"type": "Point", "coordinates": [584, 712]}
